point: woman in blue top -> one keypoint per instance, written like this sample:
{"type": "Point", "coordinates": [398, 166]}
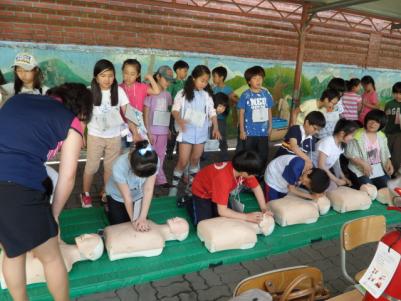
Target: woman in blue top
{"type": "Point", "coordinates": [30, 127]}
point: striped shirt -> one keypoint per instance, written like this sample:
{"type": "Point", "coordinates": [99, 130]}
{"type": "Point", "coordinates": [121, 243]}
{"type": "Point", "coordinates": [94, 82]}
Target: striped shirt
{"type": "Point", "coordinates": [350, 102]}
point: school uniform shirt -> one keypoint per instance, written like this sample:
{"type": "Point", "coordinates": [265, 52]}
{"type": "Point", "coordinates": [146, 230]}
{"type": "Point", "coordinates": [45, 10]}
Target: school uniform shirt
{"type": "Point", "coordinates": [122, 174]}
{"type": "Point", "coordinates": [42, 123]}
{"type": "Point", "coordinates": [392, 109]}
{"type": "Point", "coordinates": [251, 101]}
{"type": "Point", "coordinates": [283, 171]}
{"type": "Point", "coordinates": [329, 147]}
{"type": "Point", "coordinates": [226, 90]}
{"type": "Point", "coordinates": [106, 119]}
{"type": "Point", "coordinates": [216, 181]}
{"type": "Point", "coordinates": [305, 143]}
{"type": "Point", "coordinates": [350, 101]}
{"type": "Point", "coordinates": [305, 108]}
{"type": "Point", "coordinates": [161, 103]}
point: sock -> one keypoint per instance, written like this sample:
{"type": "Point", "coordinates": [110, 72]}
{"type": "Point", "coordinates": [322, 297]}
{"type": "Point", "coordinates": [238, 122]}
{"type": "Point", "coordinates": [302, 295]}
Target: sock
{"type": "Point", "coordinates": [193, 170]}
{"type": "Point", "coordinates": [177, 174]}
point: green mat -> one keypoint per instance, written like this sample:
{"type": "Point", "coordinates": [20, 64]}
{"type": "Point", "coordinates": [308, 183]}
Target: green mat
{"type": "Point", "coordinates": [186, 256]}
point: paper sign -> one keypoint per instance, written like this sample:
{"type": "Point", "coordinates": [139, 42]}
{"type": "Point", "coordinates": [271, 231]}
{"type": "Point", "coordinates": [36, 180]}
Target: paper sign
{"type": "Point", "coordinates": [195, 117]}
{"type": "Point", "coordinates": [161, 118]}
{"type": "Point", "coordinates": [381, 270]}
{"type": "Point", "coordinates": [260, 115]}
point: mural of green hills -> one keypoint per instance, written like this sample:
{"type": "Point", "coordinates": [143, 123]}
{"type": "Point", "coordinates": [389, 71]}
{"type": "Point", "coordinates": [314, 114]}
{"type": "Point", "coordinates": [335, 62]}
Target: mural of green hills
{"type": "Point", "coordinates": [56, 72]}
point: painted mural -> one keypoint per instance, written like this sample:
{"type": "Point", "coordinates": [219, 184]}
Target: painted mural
{"type": "Point", "coordinates": [74, 63]}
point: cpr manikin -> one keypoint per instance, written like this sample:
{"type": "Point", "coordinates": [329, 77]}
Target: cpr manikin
{"type": "Point", "coordinates": [87, 247]}
{"type": "Point", "coordinates": [221, 233]}
{"type": "Point", "coordinates": [344, 199]}
{"type": "Point", "coordinates": [122, 241]}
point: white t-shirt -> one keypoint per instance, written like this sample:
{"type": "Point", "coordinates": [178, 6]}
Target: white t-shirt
{"type": "Point", "coordinates": [106, 120]}
{"type": "Point", "coordinates": [329, 147]}
{"type": "Point", "coordinates": [9, 88]}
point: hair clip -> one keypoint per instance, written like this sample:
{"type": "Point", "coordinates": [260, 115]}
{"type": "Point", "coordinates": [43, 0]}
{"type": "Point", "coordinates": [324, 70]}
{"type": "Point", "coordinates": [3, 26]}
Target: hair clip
{"type": "Point", "coordinates": [144, 150]}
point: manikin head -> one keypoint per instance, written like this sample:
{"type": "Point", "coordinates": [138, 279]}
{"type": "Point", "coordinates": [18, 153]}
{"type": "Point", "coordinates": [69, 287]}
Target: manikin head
{"type": "Point", "coordinates": [178, 227]}
{"type": "Point", "coordinates": [266, 226]}
{"type": "Point", "coordinates": [90, 246]}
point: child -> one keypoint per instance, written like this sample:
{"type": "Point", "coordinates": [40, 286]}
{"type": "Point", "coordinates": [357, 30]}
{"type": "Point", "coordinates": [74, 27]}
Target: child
{"type": "Point", "coordinates": [370, 100]}
{"type": "Point", "coordinates": [393, 127]}
{"type": "Point", "coordinates": [285, 173]}
{"type": "Point", "coordinates": [255, 115]}
{"type": "Point", "coordinates": [326, 102]}
{"type": "Point", "coordinates": [181, 70]}
{"type": "Point", "coordinates": [28, 77]}
{"type": "Point", "coordinates": [330, 148]}
{"type": "Point", "coordinates": [157, 128]}
{"type": "Point", "coordinates": [212, 186]}
{"type": "Point", "coordinates": [332, 114]}
{"type": "Point", "coordinates": [368, 153]}
{"type": "Point", "coordinates": [352, 102]}
{"type": "Point", "coordinates": [130, 187]}
{"type": "Point", "coordinates": [222, 109]}
{"type": "Point", "coordinates": [300, 140]}
{"type": "Point", "coordinates": [219, 75]}
{"type": "Point", "coordinates": [104, 128]}
{"type": "Point", "coordinates": [338, 84]}
{"type": "Point", "coordinates": [193, 108]}
{"type": "Point", "coordinates": [136, 90]}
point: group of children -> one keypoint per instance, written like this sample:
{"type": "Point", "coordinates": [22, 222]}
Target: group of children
{"type": "Point", "coordinates": [332, 141]}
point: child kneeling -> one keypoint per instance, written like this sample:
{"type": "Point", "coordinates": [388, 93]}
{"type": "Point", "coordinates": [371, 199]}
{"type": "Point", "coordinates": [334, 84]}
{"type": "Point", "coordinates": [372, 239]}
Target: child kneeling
{"type": "Point", "coordinates": [130, 187]}
{"type": "Point", "coordinates": [286, 174]}
{"type": "Point", "coordinates": [212, 186]}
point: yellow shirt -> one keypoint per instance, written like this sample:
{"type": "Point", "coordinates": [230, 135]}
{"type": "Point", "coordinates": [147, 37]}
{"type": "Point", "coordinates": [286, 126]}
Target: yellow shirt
{"type": "Point", "coordinates": [305, 108]}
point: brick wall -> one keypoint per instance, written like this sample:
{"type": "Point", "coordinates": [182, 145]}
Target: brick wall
{"type": "Point", "coordinates": [164, 25]}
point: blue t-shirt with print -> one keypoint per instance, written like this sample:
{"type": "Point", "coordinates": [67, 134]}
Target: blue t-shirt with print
{"type": "Point", "coordinates": [250, 101]}
{"type": "Point", "coordinates": [226, 90]}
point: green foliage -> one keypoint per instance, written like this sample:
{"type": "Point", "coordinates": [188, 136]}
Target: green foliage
{"type": "Point", "coordinates": [285, 76]}
{"type": "Point", "coordinates": [236, 82]}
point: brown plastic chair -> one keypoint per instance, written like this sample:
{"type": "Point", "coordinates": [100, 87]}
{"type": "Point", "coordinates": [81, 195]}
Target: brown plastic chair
{"type": "Point", "coordinates": [356, 233]}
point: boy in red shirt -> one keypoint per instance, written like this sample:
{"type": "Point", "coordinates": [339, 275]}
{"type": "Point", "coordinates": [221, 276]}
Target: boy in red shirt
{"type": "Point", "coordinates": [212, 186]}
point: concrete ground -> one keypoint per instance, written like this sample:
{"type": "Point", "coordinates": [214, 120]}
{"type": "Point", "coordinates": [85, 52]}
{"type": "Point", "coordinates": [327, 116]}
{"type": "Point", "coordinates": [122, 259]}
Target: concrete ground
{"type": "Point", "coordinates": [218, 283]}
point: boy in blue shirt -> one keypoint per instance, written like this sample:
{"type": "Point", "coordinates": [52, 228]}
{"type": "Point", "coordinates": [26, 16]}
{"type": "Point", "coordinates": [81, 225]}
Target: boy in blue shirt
{"type": "Point", "coordinates": [286, 173]}
{"type": "Point", "coordinates": [255, 115]}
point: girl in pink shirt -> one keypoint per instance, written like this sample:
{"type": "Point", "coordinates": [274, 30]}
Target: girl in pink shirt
{"type": "Point", "coordinates": [370, 100]}
{"type": "Point", "coordinates": [136, 90]}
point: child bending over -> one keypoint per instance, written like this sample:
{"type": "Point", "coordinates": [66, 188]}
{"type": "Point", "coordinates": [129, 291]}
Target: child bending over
{"type": "Point", "coordinates": [286, 173]}
{"type": "Point", "coordinates": [214, 183]}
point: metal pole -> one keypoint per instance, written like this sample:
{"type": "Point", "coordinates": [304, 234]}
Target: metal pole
{"type": "Point", "coordinates": [300, 58]}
